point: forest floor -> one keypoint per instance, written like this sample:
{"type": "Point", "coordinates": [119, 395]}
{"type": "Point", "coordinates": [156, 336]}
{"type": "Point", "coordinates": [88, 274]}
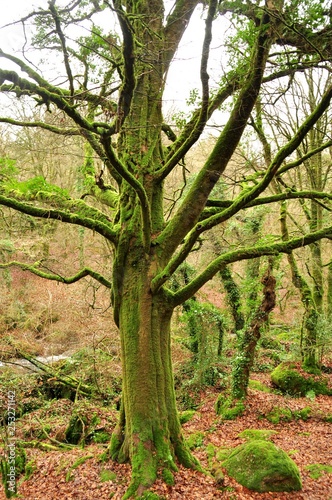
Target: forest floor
{"type": "Point", "coordinates": [308, 442]}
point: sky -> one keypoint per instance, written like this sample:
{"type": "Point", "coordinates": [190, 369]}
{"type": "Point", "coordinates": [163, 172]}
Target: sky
{"type": "Point", "coordinates": [182, 77]}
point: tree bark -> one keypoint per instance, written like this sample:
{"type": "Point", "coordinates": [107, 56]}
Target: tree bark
{"type": "Point", "coordinates": [149, 432]}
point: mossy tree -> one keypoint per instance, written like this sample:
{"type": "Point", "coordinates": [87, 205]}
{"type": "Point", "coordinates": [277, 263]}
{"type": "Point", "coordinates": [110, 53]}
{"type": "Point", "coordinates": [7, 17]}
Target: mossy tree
{"type": "Point", "coordinates": [112, 95]}
{"type": "Point", "coordinates": [313, 174]}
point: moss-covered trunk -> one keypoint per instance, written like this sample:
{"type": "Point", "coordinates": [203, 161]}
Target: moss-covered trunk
{"type": "Point", "coordinates": [245, 358]}
{"type": "Point", "coordinates": [148, 433]}
{"type": "Point", "coordinates": [311, 316]}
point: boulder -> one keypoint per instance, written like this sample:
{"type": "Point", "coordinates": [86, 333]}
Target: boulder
{"type": "Point", "coordinates": [261, 466]}
{"type": "Point", "coordinates": [290, 378]}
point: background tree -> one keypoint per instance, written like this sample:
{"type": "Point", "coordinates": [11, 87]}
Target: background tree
{"type": "Point", "coordinates": [111, 87]}
{"type": "Point", "coordinates": [314, 174]}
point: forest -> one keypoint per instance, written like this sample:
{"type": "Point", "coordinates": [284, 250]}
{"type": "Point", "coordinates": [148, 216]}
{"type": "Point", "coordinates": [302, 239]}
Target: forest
{"type": "Point", "coordinates": [165, 250]}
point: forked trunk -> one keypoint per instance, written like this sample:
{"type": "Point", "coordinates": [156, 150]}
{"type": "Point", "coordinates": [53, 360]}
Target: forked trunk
{"type": "Point", "coordinates": [149, 432]}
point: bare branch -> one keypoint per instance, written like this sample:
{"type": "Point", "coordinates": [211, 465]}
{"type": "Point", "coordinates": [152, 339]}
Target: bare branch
{"type": "Point", "coordinates": [37, 124]}
{"type": "Point", "coordinates": [59, 31]}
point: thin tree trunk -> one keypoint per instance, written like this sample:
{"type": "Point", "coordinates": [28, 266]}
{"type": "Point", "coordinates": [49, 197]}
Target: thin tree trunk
{"type": "Point", "coordinates": [233, 298]}
{"type": "Point", "coordinates": [309, 340]}
{"type": "Point", "coordinates": [245, 358]}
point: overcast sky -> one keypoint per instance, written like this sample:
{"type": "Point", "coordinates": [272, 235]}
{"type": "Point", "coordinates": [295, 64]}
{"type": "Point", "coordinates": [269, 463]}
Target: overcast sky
{"type": "Point", "coordinates": [184, 73]}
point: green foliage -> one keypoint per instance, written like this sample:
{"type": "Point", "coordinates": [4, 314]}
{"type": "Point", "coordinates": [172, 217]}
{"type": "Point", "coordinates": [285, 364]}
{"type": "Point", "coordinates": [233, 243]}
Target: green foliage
{"type": "Point", "coordinates": [195, 440]}
{"type": "Point", "coordinates": [229, 408]}
{"type": "Point", "coordinates": [317, 470]}
{"type": "Point", "coordinates": [107, 475]}
{"type": "Point", "coordinates": [303, 414]}
{"type": "Point", "coordinates": [187, 415]}
{"type": "Point", "coordinates": [101, 437]}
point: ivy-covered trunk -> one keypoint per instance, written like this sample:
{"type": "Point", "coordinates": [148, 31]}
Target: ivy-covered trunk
{"type": "Point", "coordinates": [311, 316]}
{"type": "Point", "coordinates": [245, 359]}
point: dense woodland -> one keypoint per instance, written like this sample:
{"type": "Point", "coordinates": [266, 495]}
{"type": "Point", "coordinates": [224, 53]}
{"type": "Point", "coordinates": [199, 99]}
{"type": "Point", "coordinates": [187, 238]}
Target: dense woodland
{"type": "Point", "coordinates": [166, 291]}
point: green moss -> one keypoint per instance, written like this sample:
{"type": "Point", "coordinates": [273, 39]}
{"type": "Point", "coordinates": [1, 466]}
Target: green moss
{"type": "Point", "coordinates": [195, 440]}
{"type": "Point", "coordinates": [168, 477]}
{"type": "Point", "coordinates": [289, 380]}
{"type": "Point", "coordinates": [317, 470]}
{"type": "Point", "coordinates": [114, 447]}
{"type": "Point", "coordinates": [187, 415]}
{"type": "Point", "coordinates": [76, 464]}
{"type": "Point", "coordinates": [149, 495]}
{"type": "Point", "coordinates": [260, 434]}
{"type": "Point", "coordinates": [260, 466]}
{"type": "Point", "coordinates": [270, 343]}
{"type": "Point", "coordinates": [101, 437]}
{"type": "Point", "coordinates": [223, 453]}
{"type": "Point", "coordinates": [210, 451]}
{"type": "Point", "coordinates": [278, 415]}
{"type": "Point", "coordinates": [30, 468]}
{"type": "Point", "coordinates": [259, 386]}
{"type": "Point", "coordinates": [229, 408]}
{"type": "Point", "coordinates": [107, 475]}
{"type": "Point", "coordinates": [75, 431]}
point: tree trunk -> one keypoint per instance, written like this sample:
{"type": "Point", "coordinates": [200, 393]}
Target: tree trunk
{"type": "Point", "coordinates": [233, 298]}
{"type": "Point", "coordinates": [245, 358]}
{"type": "Point", "coordinates": [310, 320]}
{"type": "Point", "coordinates": [148, 433]}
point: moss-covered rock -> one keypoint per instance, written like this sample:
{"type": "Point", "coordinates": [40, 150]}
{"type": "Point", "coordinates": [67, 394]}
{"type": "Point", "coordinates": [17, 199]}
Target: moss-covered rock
{"type": "Point", "coordinates": [291, 379]}
{"type": "Point", "coordinates": [260, 466]}
{"type": "Point", "coordinates": [258, 434]}
{"type": "Point", "coordinates": [229, 408]}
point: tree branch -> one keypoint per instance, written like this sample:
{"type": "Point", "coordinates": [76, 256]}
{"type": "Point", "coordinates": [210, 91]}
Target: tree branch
{"type": "Point", "coordinates": [190, 209]}
{"type": "Point", "coordinates": [288, 195]}
{"type": "Point", "coordinates": [128, 51]}
{"type": "Point", "coordinates": [94, 224]}
{"type": "Point", "coordinates": [137, 186]}
{"type": "Point", "coordinates": [249, 195]}
{"type": "Point", "coordinates": [86, 271]}
{"type": "Point", "coordinates": [37, 124]}
{"type": "Point", "coordinates": [244, 254]}
{"type": "Point", "coordinates": [57, 22]}
{"type": "Point", "coordinates": [200, 120]}
{"type": "Point", "coordinates": [176, 24]}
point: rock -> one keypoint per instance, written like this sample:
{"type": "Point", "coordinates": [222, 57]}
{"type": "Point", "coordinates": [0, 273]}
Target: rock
{"type": "Point", "coordinates": [261, 466]}
{"type": "Point", "coordinates": [291, 379]}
